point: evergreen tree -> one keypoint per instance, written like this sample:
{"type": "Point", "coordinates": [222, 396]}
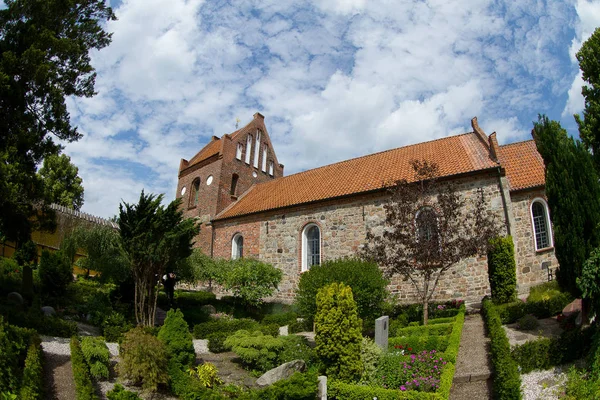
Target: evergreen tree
{"type": "Point", "coordinates": [62, 184]}
{"type": "Point", "coordinates": [573, 194]}
{"type": "Point", "coordinates": [155, 239]}
{"type": "Point", "coordinates": [338, 332]}
{"type": "Point", "coordinates": [44, 58]}
{"type": "Point", "coordinates": [589, 126]}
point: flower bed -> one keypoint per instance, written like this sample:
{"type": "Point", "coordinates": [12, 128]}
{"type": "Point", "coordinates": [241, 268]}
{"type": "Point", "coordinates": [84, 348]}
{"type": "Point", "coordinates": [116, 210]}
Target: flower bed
{"type": "Point", "coordinates": [412, 369]}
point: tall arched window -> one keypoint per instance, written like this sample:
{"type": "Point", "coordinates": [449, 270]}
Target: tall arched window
{"type": "Point", "coordinates": [427, 225]}
{"type": "Point", "coordinates": [194, 193]}
{"type": "Point", "coordinates": [234, 181]}
{"type": "Point", "coordinates": [540, 219]}
{"type": "Point", "coordinates": [311, 246]}
{"type": "Point", "coordinates": [237, 246]}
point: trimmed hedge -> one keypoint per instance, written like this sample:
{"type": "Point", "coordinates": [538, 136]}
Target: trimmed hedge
{"type": "Point", "coordinates": [32, 387]}
{"type": "Point", "coordinates": [203, 330]}
{"type": "Point", "coordinates": [419, 343]}
{"type": "Point", "coordinates": [84, 388]}
{"type": "Point", "coordinates": [437, 330]}
{"type": "Point", "coordinates": [507, 380]}
{"type": "Point", "coordinates": [545, 353]}
{"type": "Point", "coordinates": [502, 269]}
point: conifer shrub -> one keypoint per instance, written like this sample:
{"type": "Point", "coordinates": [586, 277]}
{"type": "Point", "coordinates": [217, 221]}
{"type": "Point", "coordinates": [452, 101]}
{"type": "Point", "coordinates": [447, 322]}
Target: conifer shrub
{"type": "Point", "coordinates": [257, 351]}
{"type": "Point", "coordinates": [120, 393]}
{"type": "Point", "coordinates": [502, 269]}
{"type": "Point", "coordinates": [175, 334]}
{"type": "Point", "coordinates": [143, 359]}
{"type": "Point", "coordinates": [369, 287]}
{"type": "Point", "coordinates": [370, 355]}
{"type": "Point", "coordinates": [56, 272]}
{"type": "Point", "coordinates": [96, 356]}
{"type": "Point", "coordinates": [338, 333]}
{"type": "Point", "coordinates": [84, 388]}
{"type": "Point", "coordinates": [114, 326]}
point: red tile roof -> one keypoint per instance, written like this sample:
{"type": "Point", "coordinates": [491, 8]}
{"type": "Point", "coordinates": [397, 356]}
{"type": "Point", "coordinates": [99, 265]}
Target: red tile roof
{"type": "Point", "coordinates": [453, 155]}
{"type": "Point", "coordinates": [523, 164]}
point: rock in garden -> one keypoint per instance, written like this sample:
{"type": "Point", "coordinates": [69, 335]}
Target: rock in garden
{"type": "Point", "coordinates": [209, 309]}
{"type": "Point", "coordinates": [48, 311]}
{"type": "Point", "coordinates": [15, 298]}
{"type": "Point", "coordinates": [284, 371]}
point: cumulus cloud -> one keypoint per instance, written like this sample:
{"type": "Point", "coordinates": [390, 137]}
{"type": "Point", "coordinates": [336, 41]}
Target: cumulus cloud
{"type": "Point", "coordinates": [335, 79]}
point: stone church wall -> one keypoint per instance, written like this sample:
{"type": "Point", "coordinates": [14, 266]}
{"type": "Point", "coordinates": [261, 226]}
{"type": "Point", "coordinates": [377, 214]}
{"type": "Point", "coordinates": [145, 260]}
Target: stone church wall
{"type": "Point", "coordinates": [532, 265]}
{"type": "Point", "coordinates": [344, 224]}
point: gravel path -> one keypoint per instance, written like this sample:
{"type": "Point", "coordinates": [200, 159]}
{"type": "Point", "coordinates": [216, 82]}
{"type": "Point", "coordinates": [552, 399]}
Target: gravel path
{"type": "Point", "coordinates": [543, 385]}
{"type": "Point", "coordinates": [59, 383]}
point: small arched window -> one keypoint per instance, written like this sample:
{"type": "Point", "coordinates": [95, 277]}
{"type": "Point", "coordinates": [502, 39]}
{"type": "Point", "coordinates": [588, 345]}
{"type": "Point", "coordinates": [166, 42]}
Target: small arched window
{"type": "Point", "coordinates": [311, 246]}
{"type": "Point", "coordinates": [540, 219]}
{"type": "Point", "coordinates": [234, 181]}
{"type": "Point", "coordinates": [194, 193]}
{"type": "Point", "coordinates": [427, 226]}
{"type": "Point", "coordinates": [237, 246]}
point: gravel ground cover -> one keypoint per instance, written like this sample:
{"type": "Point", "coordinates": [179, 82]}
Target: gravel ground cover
{"type": "Point", "coordinates": [543, 385]}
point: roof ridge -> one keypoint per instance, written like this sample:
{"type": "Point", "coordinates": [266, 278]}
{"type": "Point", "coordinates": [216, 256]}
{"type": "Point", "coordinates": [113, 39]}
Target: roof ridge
{"type": "Point", "coordinates": [370, 155]}
{"type": "Point", "coordinates": [515, 143]}
{"type": "Point", "coordinates": [83, 215]}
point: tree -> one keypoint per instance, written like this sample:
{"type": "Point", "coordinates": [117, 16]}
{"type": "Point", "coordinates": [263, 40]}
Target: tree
{"type": "Point", "coordinates": [206, 268]}
{"type": "Point", "coordinates": [589, 281]}
{"type": "Point", "coordinates": [429, 227]}
{"type": "Point", "coordinates": [573, 194]}
{"type": "Point", "coordinates": [338, 334]}
{"type": "Point", "coordinates": [251, 280]}
{"type": "Point", "coordinates": [62, 185]}
{"type": "Point", "coordinates": [103, 249]}
{"type": "Point", "coordinates": [589, 126]}
{"type": "Point", "coordinates": [155, 238]}
{"type": "Point", "coordinates": [44, 58]}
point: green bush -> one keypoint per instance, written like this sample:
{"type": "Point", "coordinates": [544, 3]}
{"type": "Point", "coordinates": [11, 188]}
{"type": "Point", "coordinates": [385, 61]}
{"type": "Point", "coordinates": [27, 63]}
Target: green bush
{"type": "Point", "coordinates": [33, 374]}
{"type": "Point", "coordinates": [201, 331]}
{"type": "Point", "coordinates": [216, 342]}
{"type": "Point", "coordinates": [269, 329]}
{"type": "Point", "coordinates": [120, 393]}
{"type": "Point", "coordinates": [338, 332]}
{"type": "Point", "coordinates": [370, 354]}
{"type": "Point", "coordinates": [143, 359]}
{"type": "Point", "coordinates": [436, 329]}
{"type": "Point", "coordinates": [14, 344]}
{"type": "Point", "coordinates": [544, 353]}
{"type": "Point", "coordinates": [251, 280]}
{"type": "Point", "coordinates": [55, 272]}
{"type": "Point", "coordinates": [297, 387]}
{"type": "Point", "coordinates": [303, 325]}
{"type": "Point", "coordinates": [84, 388]}
{"type": "Point", "coordinates": [97, 356]}
{"type": "Point", "coordinates": [114, 327]}
{"type": "Point", "coordinates": [295, 348]}
{"type": "Point", "coordinates": [282, 319]}
{"type": "Point", "coordinates": [416, 344]}
{"type": "Point", "coordinates": [175, 334]}
{"type": "Point", "coordinates": [581, 385]}
{"type": "Point", "coordinates": [528, 323]}
{"type": "Point", "coordinates": [11, 275]}
{"type": "Point", "coordinates": [257, 351]}
{"type": "Point", "coordinates": [369, 288]}
{"type": "Point", "coordinates": [507, 380]}
{"type": "Point", "coordinates": [502, 269]}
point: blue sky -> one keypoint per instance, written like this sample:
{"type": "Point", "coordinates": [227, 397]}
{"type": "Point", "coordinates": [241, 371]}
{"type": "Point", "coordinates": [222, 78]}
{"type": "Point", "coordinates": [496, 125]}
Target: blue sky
{"type": "Point", "coordinates": [335, 79]}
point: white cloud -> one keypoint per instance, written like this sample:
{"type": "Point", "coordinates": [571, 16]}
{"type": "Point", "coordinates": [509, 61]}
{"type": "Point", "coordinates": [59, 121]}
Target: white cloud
{"type": "Point", "coordinates": [335, 79]}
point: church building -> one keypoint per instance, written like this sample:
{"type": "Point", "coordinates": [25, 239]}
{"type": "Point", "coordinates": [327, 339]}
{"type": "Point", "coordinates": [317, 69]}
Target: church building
{"type": "Point", "coordinates": [235, 186]}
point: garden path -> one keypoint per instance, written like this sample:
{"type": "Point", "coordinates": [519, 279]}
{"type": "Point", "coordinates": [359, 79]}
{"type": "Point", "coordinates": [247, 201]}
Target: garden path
{"type": "Point", "coordinates": [472, 376]}
{"type": "Point", "coordinates": [229, 370]}
{"type": "Point", "coordinates": [59, 383]}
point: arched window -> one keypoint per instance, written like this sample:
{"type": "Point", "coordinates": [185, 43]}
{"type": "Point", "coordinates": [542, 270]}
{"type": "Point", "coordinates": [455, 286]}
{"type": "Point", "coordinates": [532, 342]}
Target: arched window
{"type": "Point", "coordinates": [427, 226]}
{"type": "Point", "coordinates": [540, 219]}
{"type": "Point", "coordinates": [311, 246]}
{"type": "Point", "coordinates": [237, 246]}
{"type": "Point", "coordinates": [234, 181]}
{"type": "Point", "coordinates": [194, 192]}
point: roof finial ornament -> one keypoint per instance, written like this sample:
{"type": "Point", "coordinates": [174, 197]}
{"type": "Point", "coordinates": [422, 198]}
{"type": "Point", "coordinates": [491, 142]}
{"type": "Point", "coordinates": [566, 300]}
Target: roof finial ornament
{"type": "Point", "coordinates": [237, 122]}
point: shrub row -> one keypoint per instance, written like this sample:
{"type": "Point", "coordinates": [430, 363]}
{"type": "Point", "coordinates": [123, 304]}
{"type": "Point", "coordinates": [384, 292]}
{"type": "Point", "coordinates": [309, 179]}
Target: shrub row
{"type": "Point", "coordinates": [202, 331]}
{"type": "Point", "coordinates": [507, 381]}
{"type": "Point", "coordinates": [14, 342]}
{"type": "Point", "coordinates": [96, 356]}
{"type": "Point", "coordinates": [540, 306]}
{"type": "Point", "coordinates": [418, 343]}
{"type": "Point", "coordinates": [437, 330]}
{"type": "Point", "coordinates": [33, 374]}
{"type": "Point", "coordinates": [545, 353]}
{"type": "Point", "coordinates": [84, 388]}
